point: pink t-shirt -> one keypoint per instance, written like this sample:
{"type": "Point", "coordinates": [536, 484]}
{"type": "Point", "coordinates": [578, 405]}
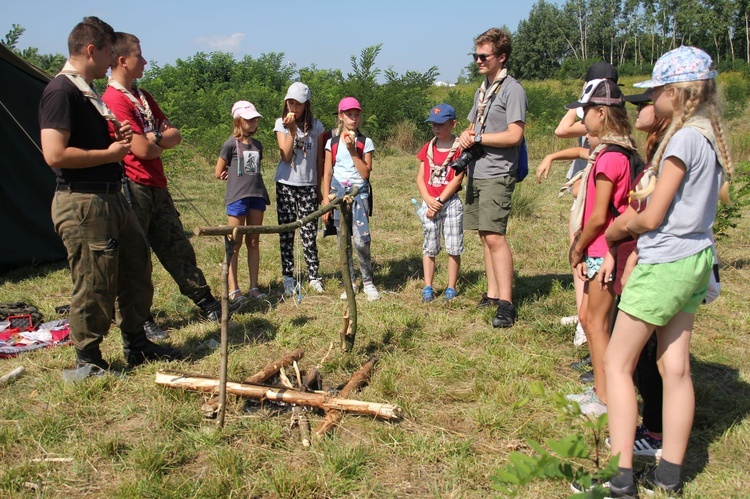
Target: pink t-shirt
{"type": "Point", "coordinates": [615, 166]}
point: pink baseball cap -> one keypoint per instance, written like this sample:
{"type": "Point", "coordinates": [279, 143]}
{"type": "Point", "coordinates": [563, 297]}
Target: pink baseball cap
{"type": "Point", "coordinates": [348, 103]}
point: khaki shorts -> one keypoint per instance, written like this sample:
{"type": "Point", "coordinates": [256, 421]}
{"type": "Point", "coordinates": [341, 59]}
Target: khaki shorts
{"type": "Point", "coordinates": [488, 203]}
{"type": "Point", "coordinates": [655, 292]}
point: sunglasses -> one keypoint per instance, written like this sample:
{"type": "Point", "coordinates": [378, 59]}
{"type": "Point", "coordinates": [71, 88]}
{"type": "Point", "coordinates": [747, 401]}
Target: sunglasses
{"type": "Point", "coordinates": [642, 105]}
{"type": "Point", "coordinates": [481, 57]}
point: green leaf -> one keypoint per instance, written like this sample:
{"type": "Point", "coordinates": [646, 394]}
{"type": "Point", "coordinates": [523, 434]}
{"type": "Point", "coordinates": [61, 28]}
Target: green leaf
{"type": "Point", "coordinates": [570, 446]}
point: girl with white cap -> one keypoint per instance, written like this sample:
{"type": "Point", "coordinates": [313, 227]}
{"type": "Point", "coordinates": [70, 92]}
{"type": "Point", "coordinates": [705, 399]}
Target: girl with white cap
{"type": "Point", "coordinates": [298, 182]}
{"type": "Point", "coordinates": [246, 197]}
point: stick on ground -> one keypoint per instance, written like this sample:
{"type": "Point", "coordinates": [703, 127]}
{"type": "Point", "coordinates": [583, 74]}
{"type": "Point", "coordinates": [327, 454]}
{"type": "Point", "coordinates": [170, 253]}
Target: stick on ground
{"type": "Point", "coordinates": [359, 378]}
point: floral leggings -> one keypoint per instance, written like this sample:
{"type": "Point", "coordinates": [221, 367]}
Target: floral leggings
{"type": "Point", "coordinates": [292, 203]}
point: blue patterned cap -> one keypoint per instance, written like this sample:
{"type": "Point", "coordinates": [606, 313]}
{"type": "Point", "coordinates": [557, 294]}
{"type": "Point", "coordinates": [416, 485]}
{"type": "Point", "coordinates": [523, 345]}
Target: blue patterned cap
{"type": "Point", "coordinates": [681, 64]}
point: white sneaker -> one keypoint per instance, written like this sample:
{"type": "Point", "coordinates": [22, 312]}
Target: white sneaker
{"type": "Point", "coordinates": [591, 405]}
{"type": "Point", "coordinates": [569, 321]}
{"type": "Point", "coordinates": [371, 291]}
{"type": "Point", "coordinates": [343, 295]}
{"type": "Point", "coordinates": [316, 285]}
{"type": "Point", "coordinates": [581, 397]}
{"type": "Point", "coordinates": [580, 337]}
{"type": "Point", "coordinates": [289, 285]}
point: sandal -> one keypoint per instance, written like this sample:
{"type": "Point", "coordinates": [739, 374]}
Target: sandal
{"type": "Point", "coordinates": [256, 294]}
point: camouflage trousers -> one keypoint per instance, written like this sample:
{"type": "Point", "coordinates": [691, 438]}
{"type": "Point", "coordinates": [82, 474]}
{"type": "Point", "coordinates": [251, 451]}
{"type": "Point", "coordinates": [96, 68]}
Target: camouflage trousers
{"type": "Point", "coordinates": [161, 223]}
{"type": "Point", "coordinates": [109, 262]}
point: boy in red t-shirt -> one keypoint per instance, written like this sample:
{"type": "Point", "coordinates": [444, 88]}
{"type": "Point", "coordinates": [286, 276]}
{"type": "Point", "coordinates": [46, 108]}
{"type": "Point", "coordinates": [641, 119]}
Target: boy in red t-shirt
{"type": "Point", "coordinates": [442, 210]}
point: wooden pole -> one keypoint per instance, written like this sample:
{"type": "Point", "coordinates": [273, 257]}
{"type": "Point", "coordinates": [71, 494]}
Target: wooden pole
{"type": "Point", "coordinates": [349, 332]}
{"type": "Point", "coordinates": [228, 251]}
{"type": "Point", "coordinates": [225, 230]}
{"type": "Point", "coordinates": [359, 378]}
{"type": "Point", "coordinates": [176, 379]}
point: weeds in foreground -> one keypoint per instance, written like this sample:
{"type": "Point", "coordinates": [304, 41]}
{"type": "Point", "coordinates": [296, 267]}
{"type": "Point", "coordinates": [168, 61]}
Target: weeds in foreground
{"type": "Point", "coordinates": [565, 459]}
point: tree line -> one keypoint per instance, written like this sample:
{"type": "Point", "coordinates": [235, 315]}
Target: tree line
{"type": "Point", "coordinates": [562, 40]}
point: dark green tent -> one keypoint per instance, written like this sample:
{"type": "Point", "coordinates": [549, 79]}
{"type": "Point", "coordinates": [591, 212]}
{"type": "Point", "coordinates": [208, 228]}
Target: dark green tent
{"type": "Point", "coordinates": [27, 184]}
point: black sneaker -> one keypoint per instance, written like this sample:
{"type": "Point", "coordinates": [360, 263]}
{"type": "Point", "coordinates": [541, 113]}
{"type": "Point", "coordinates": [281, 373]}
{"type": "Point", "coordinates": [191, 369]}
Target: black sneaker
{"type": "Point", "coordinates": [153, 331]}
{"type": "Point", "coordinates": [505, 315]}
{"type": "Point", "coordinates": [587, 377]}
{"type": "Point", "coordinates": [148, 351]}
{"type": "Point", "coordinates": [582, 364]}
{"type": "Point", "coordinates": [487, 302]}
{"type": "Point", "coordinates": [629, 491]}
{"type": "Point", "coordinates": [651, 484]}
{"type": "Point", "coordinates": [212, 309]}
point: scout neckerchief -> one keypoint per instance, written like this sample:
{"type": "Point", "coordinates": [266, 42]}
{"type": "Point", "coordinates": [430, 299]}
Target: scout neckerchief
{"type": "Point", "coordinates": [88, 92]}
{"type": "Point", "coordinates": [485, 95]}
{"type": "Point", "coordinates": [141, 103]}
{"type": "Point", "coordinates": [438, 171]}
{"type": "Point", "coordinates": [576, 216]}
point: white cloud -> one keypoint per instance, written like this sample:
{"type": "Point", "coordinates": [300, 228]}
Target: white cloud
{"type": "Point", "coordinates": [222, 43]}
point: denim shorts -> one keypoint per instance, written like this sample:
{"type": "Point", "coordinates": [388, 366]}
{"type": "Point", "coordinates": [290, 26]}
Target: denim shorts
{"type": "Point", "coordinates": [243, 206]}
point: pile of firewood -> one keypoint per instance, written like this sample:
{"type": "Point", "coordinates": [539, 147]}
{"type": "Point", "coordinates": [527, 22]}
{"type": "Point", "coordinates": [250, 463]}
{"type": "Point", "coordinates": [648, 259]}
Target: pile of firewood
{"type": "Point", "coordinates": [301, 390]}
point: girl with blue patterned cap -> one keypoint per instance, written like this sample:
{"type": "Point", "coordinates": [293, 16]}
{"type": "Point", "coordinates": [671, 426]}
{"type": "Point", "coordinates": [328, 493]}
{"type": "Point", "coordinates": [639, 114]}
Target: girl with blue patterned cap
{"type": "Point", "coordinates": [688, 175]}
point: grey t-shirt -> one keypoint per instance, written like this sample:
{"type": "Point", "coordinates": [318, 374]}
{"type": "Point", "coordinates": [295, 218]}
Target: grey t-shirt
{"type": "Point", "coordinates": [244, 178]}
{"type": "Point", "coordinates": [507, 106]}
{"type": "Point", "coordinates": [687, 226]}
{"type": "Point", "coordinates": [305, 170]}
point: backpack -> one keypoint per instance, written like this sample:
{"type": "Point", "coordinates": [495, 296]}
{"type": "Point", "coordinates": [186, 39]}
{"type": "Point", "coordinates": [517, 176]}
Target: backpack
{"type": "Point", "coordinates": [335, 139]}
{"type": "Point", "coordinates": [523, 161]}
{"type": "Point", "coordinates": [576, 218]}
{"type": "Point", "coordinates": [21, 314]}
{"type": "Point", "coordinates": [637, 165]}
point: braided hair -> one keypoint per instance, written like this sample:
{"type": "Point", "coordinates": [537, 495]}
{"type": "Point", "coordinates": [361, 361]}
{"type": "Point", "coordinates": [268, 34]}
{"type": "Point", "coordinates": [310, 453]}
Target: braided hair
{"type": "Point", "coordinates": [693, 97]}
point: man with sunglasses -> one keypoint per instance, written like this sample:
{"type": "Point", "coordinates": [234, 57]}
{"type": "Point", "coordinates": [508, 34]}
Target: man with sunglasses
{"type": "Point", "coordinates": [497, 125]}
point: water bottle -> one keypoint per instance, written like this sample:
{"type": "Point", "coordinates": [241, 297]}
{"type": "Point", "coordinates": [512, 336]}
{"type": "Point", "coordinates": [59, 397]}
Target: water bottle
{"type": "Point", "coordinates": [419, 208]}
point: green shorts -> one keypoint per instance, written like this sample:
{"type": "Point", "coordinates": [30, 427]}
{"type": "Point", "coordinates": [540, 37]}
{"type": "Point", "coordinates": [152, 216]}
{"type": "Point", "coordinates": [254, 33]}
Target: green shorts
{"type": "Point", "coordinates": [488, 203]}
{"type": "Point", "coordinates": [655, 292]}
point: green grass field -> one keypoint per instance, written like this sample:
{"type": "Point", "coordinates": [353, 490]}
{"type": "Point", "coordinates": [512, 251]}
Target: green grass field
{"type": "Point", "coordinates": [464, 387]}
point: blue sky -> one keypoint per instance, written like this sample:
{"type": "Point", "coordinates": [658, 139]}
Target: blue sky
{"type": "Point", "coordinates": [415, 34]}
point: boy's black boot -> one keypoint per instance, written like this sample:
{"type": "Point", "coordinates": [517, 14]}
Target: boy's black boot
{"type": "Point", "coordinates": [140, 349]}
{"type": "Point", "coordinates": [91, 356]}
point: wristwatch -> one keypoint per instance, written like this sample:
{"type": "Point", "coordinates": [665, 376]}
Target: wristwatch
{"type": "Point", "coordinates": [157, 137]}
{"type": "Point", "coordinates": [478, 138]}
{"type": "Point", "coordinates": [437, 198]}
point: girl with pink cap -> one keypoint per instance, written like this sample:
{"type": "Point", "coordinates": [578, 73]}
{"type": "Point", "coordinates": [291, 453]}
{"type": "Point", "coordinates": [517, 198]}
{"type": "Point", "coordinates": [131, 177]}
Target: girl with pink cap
{"type": "Point", "coordinates": [348, 163]}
